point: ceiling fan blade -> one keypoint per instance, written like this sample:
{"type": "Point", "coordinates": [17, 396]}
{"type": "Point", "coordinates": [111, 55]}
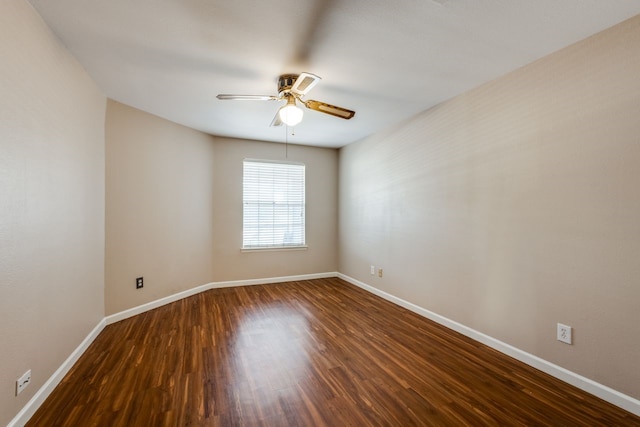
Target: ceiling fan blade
{"type": "Point", "coordinates": [304, 83]}
{"type": "Point", "coordinates": [329, 109]}
{"type": "Point", "coordinates": [247, 97]}
{"type": "Point", "coordinates": [276, 119]}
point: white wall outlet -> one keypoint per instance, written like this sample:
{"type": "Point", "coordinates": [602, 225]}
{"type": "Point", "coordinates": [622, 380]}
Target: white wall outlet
{"type": "Point", "coordinates": [564, 333]}
{"type": "Point", "coordinates": [373, 270]}
{"type": "Point", "coordinates": [379, 272]}
{"type": "Point", "coordinates": [23, 382]}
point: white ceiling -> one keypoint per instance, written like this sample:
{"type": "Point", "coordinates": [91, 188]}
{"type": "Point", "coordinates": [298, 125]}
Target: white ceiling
{"type": "Point", "coordinates": [387, 60]}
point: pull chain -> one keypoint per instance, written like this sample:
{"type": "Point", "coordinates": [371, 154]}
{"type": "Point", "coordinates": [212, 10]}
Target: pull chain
{"type": "Point", "coordinates": [286, 140]}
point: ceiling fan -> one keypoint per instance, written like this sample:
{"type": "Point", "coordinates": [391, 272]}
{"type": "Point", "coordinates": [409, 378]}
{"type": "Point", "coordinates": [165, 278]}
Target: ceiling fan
{"type": "Point", "coordinates": [292, 88]}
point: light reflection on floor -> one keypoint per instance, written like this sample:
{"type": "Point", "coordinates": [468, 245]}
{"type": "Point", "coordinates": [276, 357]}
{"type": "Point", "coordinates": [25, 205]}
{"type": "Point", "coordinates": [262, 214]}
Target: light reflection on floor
{"type": "Point", "coordinates": [270, 355]}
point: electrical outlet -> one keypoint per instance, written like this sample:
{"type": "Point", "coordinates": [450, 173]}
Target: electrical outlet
{"type": "Point", "coordinates": [139, 283]}
{"type": "Point", "coordinates": [379, 272]}
{"type": "Point", "coordinates": [564, 333]}
{"type": "Point", "coordinates": [23, 382]}
{"type": "Point", "coordinates": [373, 270]}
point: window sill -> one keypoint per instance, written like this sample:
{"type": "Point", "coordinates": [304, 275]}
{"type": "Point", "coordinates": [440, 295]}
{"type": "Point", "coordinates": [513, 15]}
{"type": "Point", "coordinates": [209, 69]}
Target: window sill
{"type": "Point", "coordinates": [276, 249]}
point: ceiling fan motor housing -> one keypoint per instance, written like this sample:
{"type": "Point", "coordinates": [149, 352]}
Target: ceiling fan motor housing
{"type": "Point", "coordinates": [285, 82]}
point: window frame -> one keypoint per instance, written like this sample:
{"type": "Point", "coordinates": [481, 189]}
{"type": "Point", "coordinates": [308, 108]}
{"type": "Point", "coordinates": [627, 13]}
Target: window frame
{"type": "Point", "coordinates": [256, 247]}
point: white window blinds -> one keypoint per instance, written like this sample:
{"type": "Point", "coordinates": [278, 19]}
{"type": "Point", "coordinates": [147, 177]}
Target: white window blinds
{"type": "Point", "coordinates": [273, 199]}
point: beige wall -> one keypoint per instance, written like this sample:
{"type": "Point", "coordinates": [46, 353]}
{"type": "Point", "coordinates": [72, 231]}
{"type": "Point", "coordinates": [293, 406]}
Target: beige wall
{"type": "Point", "coordinates": [321, 212]}
{"type": "Point", "coordinates": [174, 209]}
{"type": "Point", "coordinates": [514, 207]}
{"type": "Point", "coordinates": [159, 216]}
{"type": "Point", "coordinates": [51, 204]}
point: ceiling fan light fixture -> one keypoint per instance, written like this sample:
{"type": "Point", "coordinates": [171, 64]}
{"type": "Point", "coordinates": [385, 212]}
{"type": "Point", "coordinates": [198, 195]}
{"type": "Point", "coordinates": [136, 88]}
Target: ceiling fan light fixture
{"type": "Point", "coordinates": [290, 114]}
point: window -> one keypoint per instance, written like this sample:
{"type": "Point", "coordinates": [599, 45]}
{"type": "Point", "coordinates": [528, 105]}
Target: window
{"type": "Point", "coordinates": [273, 200]}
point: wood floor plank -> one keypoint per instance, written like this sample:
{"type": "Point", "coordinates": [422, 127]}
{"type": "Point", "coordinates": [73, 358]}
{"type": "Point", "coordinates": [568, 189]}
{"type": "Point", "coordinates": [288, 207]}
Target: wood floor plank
{"type": "Point", "coordinates": [309, 353]}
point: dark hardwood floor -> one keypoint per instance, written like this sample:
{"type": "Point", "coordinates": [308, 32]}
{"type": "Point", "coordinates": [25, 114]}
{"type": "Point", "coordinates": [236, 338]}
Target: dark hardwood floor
{"type": "Point", "coordinates": [310, 353]}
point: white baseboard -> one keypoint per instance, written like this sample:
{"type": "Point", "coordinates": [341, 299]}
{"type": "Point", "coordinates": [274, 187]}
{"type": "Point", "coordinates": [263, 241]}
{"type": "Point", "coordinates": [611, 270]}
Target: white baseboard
{"type": "Point", "coordinates": [608, 394]}
{"type": "Point", "coordinates": [213, 285]}
{"type": "Point", "coordinates": [41, 395]}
